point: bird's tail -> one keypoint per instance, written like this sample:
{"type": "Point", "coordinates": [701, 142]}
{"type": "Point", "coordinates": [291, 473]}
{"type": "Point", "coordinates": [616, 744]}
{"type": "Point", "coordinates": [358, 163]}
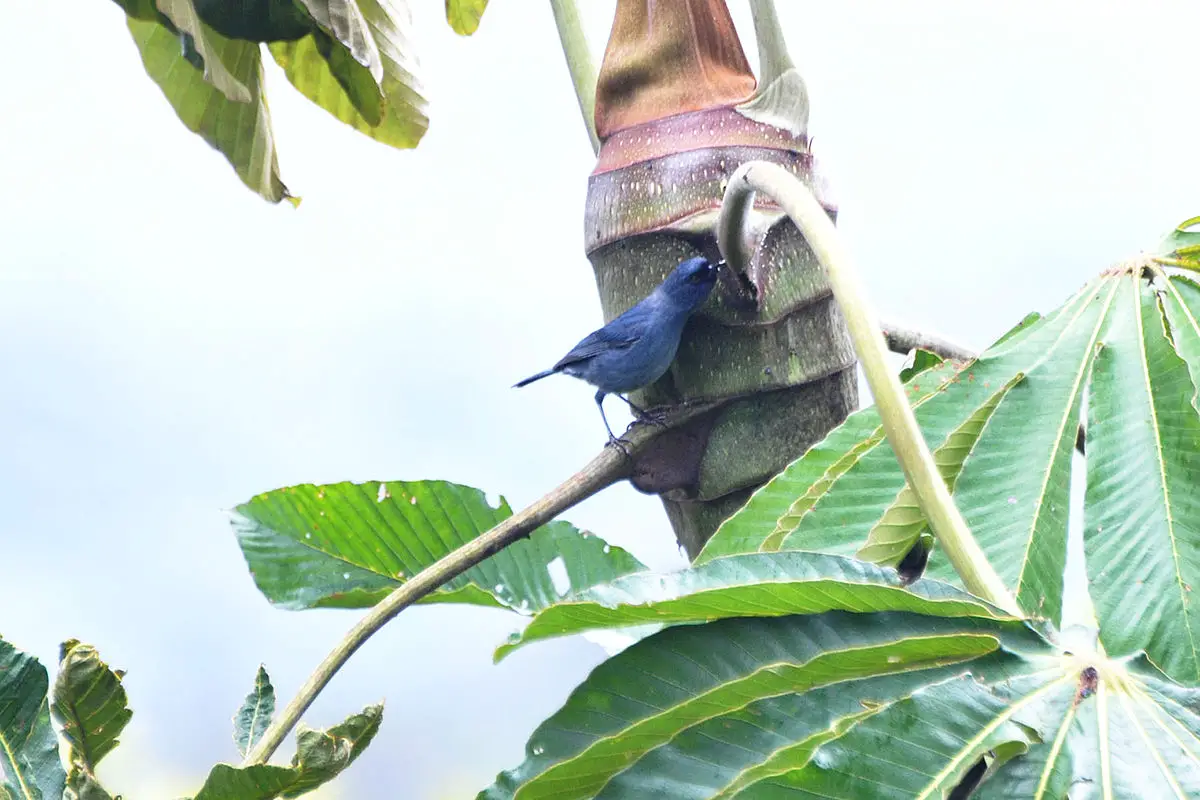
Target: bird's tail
{"type": "Point", "coordinates": [532, 378]}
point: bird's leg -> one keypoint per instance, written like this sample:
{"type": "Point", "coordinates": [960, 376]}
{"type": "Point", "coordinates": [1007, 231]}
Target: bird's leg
{"type": "Point", "coordinates": [653, 416]}
{"type": "Point", "coordinates": [612, 437]}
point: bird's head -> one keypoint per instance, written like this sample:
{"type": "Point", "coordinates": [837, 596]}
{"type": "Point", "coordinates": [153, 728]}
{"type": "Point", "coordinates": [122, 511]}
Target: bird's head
{"type": "Point", "coordinates": [691, 282]}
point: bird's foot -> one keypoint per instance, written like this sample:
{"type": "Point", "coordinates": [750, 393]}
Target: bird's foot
{"type": "Point", "coordinates": [654, 416]}
{"type": "Point", "coordinates": [621, 444]}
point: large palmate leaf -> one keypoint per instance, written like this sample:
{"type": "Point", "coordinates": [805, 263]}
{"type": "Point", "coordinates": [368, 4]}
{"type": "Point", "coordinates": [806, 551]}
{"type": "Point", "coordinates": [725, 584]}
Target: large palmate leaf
{"type": "Point", "coordinates": [1012, 484]}
{"type": "Point", "coordinates": [880, 705]}
{"type": "Point", "coordinates": [758, 585]}
{"type": "Point", "coordinates": [1142, 512]}
{"type": "Point", "coordinates": [347, 545]}
{"type": "Point", "coordinates": [30, 768]}
{"type": "Point", "coordinates": [241, 131]}
{"type": "Point", "coordinates": [699, 710]}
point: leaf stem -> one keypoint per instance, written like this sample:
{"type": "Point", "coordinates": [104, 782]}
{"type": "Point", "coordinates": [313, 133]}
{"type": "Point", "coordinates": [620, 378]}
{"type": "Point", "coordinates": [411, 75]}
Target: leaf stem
{"type": "Point", "coordinates": [899, 423]}
{"type": "Point", "coordinates": [613, 464]}
{"type": "Point", "coordinates": [579, 62]}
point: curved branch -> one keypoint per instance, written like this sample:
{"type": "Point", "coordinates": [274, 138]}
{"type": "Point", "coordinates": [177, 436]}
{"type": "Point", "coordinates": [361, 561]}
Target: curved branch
{"type": "Point", "coordinates": [903, 434]}
{"type": "Point", "coordinates": [613, 464]}
{"type": "Point", "coordinates": [579, 62]}
{"type": "Point", "coordinates": [901, 340]}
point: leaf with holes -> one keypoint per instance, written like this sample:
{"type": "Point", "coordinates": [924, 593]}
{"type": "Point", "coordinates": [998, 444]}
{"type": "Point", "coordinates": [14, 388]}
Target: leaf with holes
{"type": "Point", "coordinates": [348, 545]}
{"type": "Point", "coordinates": [758, 585]}
{"type": "Point", "coordinates": [29, 764]}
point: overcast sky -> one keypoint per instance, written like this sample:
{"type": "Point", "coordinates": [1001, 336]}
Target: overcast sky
{"type": "Point", "coordinates": [170, 344]}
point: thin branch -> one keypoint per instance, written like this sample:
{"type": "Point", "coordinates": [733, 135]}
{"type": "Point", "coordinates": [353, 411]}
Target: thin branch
{"type": "Point", "coordinates": [903, 434]}
{"type": "Point", "coordinates": [579, 62]}
{"type": "Point", "coordinates": [613, 464]}
{"type": "Point", "coordinates": [901, 340]}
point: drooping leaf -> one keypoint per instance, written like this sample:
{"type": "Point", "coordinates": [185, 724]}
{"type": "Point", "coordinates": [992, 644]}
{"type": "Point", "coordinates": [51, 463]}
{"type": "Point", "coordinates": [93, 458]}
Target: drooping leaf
{"type": "Point", "coordinates": [898, 530]}
{"type": "Point", "coordinates": [253, 718]}
{"type": "Point", "coordinates": [348, 545]}
{"type": "Point", "coordinates": [241, 131]}
{"type": "Point", "coordinates": [321, 755]}
{"type": "Point", "coordinates": [702, 711]}
{"type": "Point", "coordinates": [758, 585]}
{"type": "Point", "coordinates": [1142, 507]}
{"type": "Point", "coordinates": [30, 768]}
{"type": "Point", "coordinates": [90, 703]}
{"type": "Point", "coordinates": [206, 44]}
{"type": "Point", "coordinates": [327, 74]}
{"type": "Point", "coordinates": [464, 15]}
{"type": "Point", "coordinates": [403, 121]}
{"type": "Point", "coordinates": [256, 20]}
{"type": "Point", "coordinates": [256, 782]}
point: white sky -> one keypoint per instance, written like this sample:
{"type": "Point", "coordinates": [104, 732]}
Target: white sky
{"type": "Point", "coordinates": [171, 344]}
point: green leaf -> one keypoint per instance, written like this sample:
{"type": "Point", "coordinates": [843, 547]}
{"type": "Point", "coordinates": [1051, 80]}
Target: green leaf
{"type": "Point", "coordinates": [91, 705]}
{"type": "Point", "coordinates": [348, 545]}
{"type": "Point", "coordinates": [1183, 243]}
{"type": "Point", "coordinates": [82, 785]}
{"type": "Point", "coordinates": [902, 524]}
{"type": "Point", "coordinates": [206, 43]}
{"type": "Point", "coordinates": [1142, 507]}
{"type": "Point", "coordinates": [252, 719]}
{"type": "Point", "coordinates": [464, 15]}
{"type": "Point", "coordinates": [323, 755]}
{"type": "Point", "coordinates": [343, 20]}
{"type": "Point", "coordinates": [824, 706]}
{"type": "Point", "coordinates": [922, 360]}
{"type": "Point", "coordinates": [30, 768]}
{"type": "Point", "coordinates": [241, 131]}
{"type": "Point", "coordinates": [402, 121]}
{"type": "Point", "coordinates": [759, 585]}
{"type": "Point", "coordinates": [782, 505]}
{"type": "Point", "coordinates": [1012, 488]}
{"type": "Point", "coordinates": [256, 20]}
{"type": "Point", "coordinates": [703, 711]}
{"type": "Point", "coordinates": [257, 782]}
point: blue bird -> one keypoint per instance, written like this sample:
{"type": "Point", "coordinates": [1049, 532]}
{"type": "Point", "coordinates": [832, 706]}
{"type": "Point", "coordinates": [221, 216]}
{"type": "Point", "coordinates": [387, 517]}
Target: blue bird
{"type": "Point", "coordinates": [636, 348]}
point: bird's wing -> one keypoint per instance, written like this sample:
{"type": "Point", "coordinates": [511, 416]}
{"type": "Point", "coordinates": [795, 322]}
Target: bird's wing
{"type": "Point", "coordinates": [610, 337]}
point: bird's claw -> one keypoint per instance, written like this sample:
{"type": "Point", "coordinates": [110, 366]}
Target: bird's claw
{"type": "Point", "coordinates": [621, 444]}
{"type": "Point", "coordinates": [654, 416]}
